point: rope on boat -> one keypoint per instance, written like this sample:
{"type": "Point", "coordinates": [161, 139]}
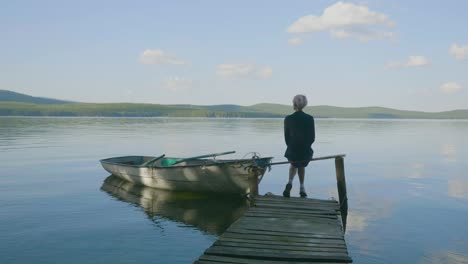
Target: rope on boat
{"type": "Point", "coordinates": [257, 162]}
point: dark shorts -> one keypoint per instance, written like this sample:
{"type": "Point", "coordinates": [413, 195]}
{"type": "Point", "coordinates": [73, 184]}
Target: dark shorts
{"type": "Point", "coordinates": [299, 159]}
{"type": "Point", "coordinates": [299, 164]}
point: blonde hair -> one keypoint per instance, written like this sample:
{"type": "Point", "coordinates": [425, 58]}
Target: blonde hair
{"type": "Point", "coordinates": [299, 102]}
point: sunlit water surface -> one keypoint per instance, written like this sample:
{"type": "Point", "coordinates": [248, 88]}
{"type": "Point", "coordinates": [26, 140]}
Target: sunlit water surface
{"type": "Point", "coordinates": [407, 188]}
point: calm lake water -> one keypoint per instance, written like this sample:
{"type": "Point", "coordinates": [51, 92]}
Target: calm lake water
{"type": "Point", "coordinates": [407, 188]}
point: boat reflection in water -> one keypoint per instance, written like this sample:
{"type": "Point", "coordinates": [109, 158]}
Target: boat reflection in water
{"type": "Point", "coordinates": [208, 212]}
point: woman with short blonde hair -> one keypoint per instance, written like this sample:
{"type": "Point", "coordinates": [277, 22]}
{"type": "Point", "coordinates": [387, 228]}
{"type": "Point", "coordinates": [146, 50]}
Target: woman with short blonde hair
{"type": "Point", "coordinates": [299, 102]}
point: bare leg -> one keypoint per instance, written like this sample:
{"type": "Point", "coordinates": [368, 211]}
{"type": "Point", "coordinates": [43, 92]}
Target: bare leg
{"type": "Point", "coordinates": [301, 173]}
{"type": "Point", "coordinates": [292, 173]}
{"type": "Point", "coordinates": [287, 189]}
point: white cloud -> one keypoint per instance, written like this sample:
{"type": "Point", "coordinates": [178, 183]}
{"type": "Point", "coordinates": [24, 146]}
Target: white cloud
{"type": "Point", "coordinates": [346, 20]}
{"type": "Point", "coordinates": [295, 41]}
{"type": "Point", "coordinates": [158, 56]}
{"type": "Point", "coordinates": [265, 73]}
{"type": "Point", "coordinates": [451, 87]}
{"type": "Point", "coordinates": [244, 71]}
{"type": "Point", "coordinates": [339, 33]}
{"type": "Point", "coordinates": [445, 256]}
{"type": "Point", "coordinates": [413, 61]}
{"type": "Point", "coordinates": [459, 52]}
{"type": "Point", "coordinates": [177, 83]}
{"type": "Point", "coordinates": [232, 70]}
{"type": "Point", "coordinates": [458, 188]}
{"type": "Point", "coordinates": [416, 171]}
{"type": "Point", "coordinates": [417, 61]}
{"type": "Point", "coordinates": [448, 150]}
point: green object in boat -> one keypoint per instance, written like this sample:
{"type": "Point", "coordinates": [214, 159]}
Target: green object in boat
{"type": "Point", "coordinates": [169, 162]}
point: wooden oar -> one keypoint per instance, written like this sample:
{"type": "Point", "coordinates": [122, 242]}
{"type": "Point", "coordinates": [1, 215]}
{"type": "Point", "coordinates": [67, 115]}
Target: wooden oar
{"type": "Point", "coordinates": [174, 162]}
{"type": "Point", "coordinates": [151, 161]}
{"type": "Point", "coordinates": [318, 158]}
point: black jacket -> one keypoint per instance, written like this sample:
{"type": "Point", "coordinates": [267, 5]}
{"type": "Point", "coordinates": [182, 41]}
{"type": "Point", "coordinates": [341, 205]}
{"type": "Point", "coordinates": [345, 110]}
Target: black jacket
{"type": "Point", "coordinates": [299, 134]}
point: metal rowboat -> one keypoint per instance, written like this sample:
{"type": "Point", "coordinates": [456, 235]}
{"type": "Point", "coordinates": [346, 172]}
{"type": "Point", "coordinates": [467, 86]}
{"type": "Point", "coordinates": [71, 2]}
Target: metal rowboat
{"type": "Point", "coordinates": [239, 176]}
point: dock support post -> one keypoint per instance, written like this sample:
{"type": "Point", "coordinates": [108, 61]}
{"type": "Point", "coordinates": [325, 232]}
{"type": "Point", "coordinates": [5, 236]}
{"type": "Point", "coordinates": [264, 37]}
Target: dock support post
{"type": "Point", "coordinates": [341, 185]}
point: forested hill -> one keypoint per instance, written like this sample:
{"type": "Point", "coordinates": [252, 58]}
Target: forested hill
{"type": "Point", "coordinates": [326, 111]}
{"type": "Point", "coordinates": [16, 104]}
{"type": "Point", "coordinates": [10, 96]}
{"type": "Point", "coordinates": [125, 109]}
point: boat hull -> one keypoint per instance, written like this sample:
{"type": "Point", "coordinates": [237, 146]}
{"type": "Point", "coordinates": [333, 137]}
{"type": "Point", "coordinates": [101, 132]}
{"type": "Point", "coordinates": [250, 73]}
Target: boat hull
{"type": "Point", "coordinates": [236, 176]}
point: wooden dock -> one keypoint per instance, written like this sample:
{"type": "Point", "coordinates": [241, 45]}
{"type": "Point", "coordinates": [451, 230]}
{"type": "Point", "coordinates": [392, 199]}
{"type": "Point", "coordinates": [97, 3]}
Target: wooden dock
{"type": "Point", "coordinates": [283, 230]}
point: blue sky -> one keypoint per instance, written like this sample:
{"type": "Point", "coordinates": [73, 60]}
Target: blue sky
{"type": "Point", "coordinates": [405, 54]}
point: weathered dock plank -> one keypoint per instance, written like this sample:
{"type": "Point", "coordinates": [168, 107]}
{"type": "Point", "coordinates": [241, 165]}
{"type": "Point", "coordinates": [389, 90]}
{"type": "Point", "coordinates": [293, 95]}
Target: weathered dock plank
{"type": "Point", "coordinates": [220, 259]}
{"type": "Point", "coordinates": [283, 230]}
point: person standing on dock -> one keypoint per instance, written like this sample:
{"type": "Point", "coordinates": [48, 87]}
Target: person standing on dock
{"type": "Point", "coordinates": [299, 134]}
